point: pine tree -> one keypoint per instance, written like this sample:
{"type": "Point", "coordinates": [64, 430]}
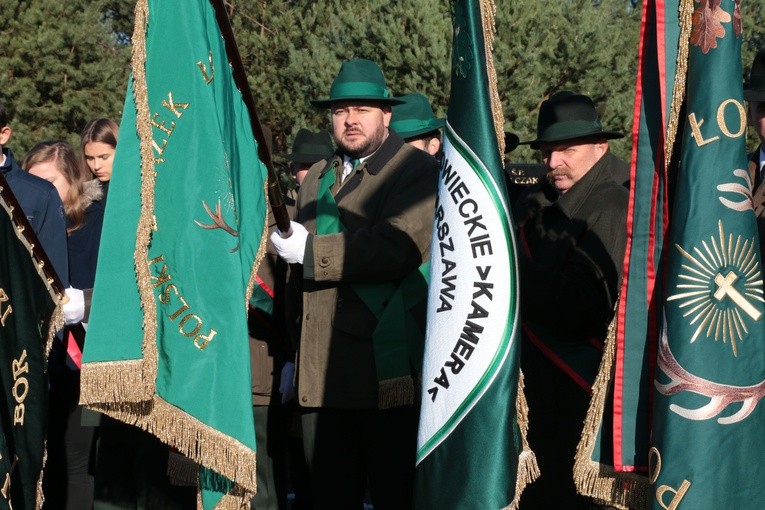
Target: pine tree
{"type": "Point", "coordinates": [60, 66]}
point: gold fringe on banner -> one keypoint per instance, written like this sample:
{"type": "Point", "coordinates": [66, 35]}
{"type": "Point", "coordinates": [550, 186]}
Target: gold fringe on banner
{"type": "Point", "coordinates": [132, 382]}
{"type": "Point", "coordinates": [146, 219]}
{"type": "Point", "coordinates": [528, 470]}
{"type": "Point", "coordinates": [487, 20]}
{"type": "Point", "coordinates": [112, 381]}
{"type": "Point", "coordinates": [685, 16]}
{"type": "Point", "coordinates": [592, 478]}
{"type": "Point", "coordinates": [200, 442]}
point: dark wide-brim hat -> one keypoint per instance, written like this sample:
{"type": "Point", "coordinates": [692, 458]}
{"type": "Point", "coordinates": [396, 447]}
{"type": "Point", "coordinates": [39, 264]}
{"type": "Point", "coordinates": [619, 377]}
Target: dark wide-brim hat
{"type": "Point", "coordinates": [755, 90]}
{"type": "Point", "coordinates": [414, 117]}
{"type": "Point", "coordinates": [567, 116]}
{"type": "Point", "coordinates": [310, 147]}
{"type": "Point", "coordinates": [511, 141]}
{"type": "Point", "coordinates": [358, 80]}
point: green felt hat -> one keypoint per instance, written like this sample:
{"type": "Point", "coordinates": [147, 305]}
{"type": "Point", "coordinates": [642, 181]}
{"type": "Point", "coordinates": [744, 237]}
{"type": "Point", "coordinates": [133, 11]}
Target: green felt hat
{"type": "Point", "coordinates": [414, 117]}
{"type": "Point", "coordinates": [755, 90]}
{"type": "Point", "coordinates": [310, 147]}
{"type": "Point", "coordinates": [566, 116]}
{"type": "Point", "coordinates": [358, 80]}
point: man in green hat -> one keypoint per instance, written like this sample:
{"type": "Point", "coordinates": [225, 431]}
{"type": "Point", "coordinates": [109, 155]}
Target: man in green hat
{"type": "Point", "coordinates": [307, 149]}
{"type": "Point", "coordinates": [572, 233]}
{"type": "Point", "coordinates": [415, 122]}
{"type": "Point", "coordinates": [363, 225]}
{"type": "Point", "coordinates": [754, 93]}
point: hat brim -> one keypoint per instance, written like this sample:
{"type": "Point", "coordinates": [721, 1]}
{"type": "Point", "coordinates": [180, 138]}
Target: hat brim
{"type": "Point", "coordinates": [326, 103]}
{"type": "Point", "coordinates": [432, 126]}
{"type": "Point", "coordinates": [305, 158]}
{"type": "Point", "coordinates": [754, 95]}
{"type": "Point", "coordinates": [608, 135]}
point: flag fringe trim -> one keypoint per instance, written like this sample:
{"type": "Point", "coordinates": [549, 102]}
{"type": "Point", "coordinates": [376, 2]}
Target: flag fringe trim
{"type": "Point", "coordinates": [528, 469]}
{"type": "Point", "coordinates": [109, 381]}
{"type": "Point", "coordinates": [488, 10]}
{"type": "Point", "coordinates": [681, 70]}
{"type": "Point", "coordinates": [199, 442]}
{"type": "Point", "coordinates": [146, 218]}
{"type": "Point", "coordinates": [592, 478]}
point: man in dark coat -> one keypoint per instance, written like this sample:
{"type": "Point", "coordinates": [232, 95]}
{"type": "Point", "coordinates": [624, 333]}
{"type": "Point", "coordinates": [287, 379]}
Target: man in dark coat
{"type": "Point", "coordinates": [754, 93]}
{"type": "Point", "coordinates": [572, 235]}
{"type": "Point", "coordinates": [364, 222]}
{"type": "Point", "coordinates": [40, 202]}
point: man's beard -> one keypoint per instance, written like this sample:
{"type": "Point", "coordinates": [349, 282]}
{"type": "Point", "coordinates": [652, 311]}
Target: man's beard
{"type": "Point", "coordinates": [365, 146]}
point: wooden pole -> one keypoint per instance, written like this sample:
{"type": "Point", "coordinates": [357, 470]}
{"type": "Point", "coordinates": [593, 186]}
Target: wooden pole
{"type": "Point", "coordinates": [275, 198]}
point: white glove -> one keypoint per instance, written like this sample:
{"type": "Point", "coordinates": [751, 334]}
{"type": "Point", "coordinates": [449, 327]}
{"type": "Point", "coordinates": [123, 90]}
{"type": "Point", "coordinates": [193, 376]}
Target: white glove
{"type": "Point", "coordinates": [287, 382]}
{"type": "Point", "coordinates": [74, 309]}
{"type": "Point", "coordinates": [291, 246]}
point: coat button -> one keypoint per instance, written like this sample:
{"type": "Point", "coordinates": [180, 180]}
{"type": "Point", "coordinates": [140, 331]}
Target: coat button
{"type": "Point", "coordinates": [324, 262]}
{"type": "Point", "coordinates": [308, 316]}
{"type": "Point", "coordinates": [304, 399]}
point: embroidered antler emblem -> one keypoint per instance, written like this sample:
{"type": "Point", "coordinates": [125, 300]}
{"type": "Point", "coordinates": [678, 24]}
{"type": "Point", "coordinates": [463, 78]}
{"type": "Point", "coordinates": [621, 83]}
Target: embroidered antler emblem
{"type": "Point", "coordinates": [720, 395]}
{"type": "Point", "coordinates": [218, 221]}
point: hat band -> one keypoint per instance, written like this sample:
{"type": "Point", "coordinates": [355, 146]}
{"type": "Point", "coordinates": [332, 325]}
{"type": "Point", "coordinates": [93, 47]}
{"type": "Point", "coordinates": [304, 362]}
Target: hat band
{"type": "Point", "coordinates": [410, 125]}
{"type": "Point", "coordinates": [361, 89]}
{"type": "Point", "coordinates": [569, 129]}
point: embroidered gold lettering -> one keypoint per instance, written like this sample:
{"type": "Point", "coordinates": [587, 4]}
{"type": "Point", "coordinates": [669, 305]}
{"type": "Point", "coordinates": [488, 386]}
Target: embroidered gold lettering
{"type": "Point", "coordinates": [202, 67]}
{"type": "Point", "coordinates": [176, 109]}
{"type": "Point", "coordinates": [5, 310]}
{"type": "Point", "coordinates": [741, 119]}
{"type": "Point", "coordinates": [696, 131]}
{"type": "Point", "coordinates": [173, 106]}
{"type": "Point", "coordinates": [190, 324]}
{"type": "Point", "coordinates": [179, 311]}
{"type": "Point", "coordinates": [196, 329]}
{"type": "Point", "coordinates": [20, 386]}
{"type": "Point", "coordinates": [206, 339]}
{"type": "Point", "coordinates": [654, 468]}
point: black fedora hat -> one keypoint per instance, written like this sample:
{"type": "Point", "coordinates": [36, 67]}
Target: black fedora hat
{"type": "Point", "coordinates": [511, 141]}
{"type": "Point", "coordinates": [755, 91]}
{"type": "Point", "coordinates": [567, 116]}
{"type": "Point", "coordinates": [310, 147]}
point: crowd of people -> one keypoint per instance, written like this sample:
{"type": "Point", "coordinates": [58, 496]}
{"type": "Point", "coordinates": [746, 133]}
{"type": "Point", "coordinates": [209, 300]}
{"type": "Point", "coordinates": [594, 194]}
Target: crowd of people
{"type": "Point", "coordinates": [333, 431]}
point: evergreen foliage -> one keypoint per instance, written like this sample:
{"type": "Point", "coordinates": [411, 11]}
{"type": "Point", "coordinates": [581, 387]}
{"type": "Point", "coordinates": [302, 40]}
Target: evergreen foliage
{"type": "Point", "coordinates": [60, 66]}
{"type": "Point", "coordinates": [64, 63]}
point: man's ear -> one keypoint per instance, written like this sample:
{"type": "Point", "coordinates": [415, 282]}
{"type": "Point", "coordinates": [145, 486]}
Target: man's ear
{"type": "Point", "coordinates": [434, 145]}
{"type": "Point", "coordinates": [5, 135]}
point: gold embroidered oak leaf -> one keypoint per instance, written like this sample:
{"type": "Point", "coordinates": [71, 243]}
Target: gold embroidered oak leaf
{"type": "Point", "coordinates": [707, 25]}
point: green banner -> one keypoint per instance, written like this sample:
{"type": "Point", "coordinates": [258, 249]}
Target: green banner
{"type": "Point", "coordinates": [471, 449]}
{"type": "Point", "coordinates": [167, 343]}
{"type": "Point", "coordinates": [707, 437]}
{"type": "Point", "coordinates": [27, 324]}
{"type": "Point", "coordinates": [612, 459]}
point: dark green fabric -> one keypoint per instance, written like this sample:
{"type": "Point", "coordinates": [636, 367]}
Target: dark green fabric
{"type": "Point", "coordinates": [26, 307]}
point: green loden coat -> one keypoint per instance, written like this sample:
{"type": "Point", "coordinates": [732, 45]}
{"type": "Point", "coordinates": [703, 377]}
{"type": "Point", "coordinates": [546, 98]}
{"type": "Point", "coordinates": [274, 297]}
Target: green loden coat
{"type": "Point", "coordinates": [386, 208]}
